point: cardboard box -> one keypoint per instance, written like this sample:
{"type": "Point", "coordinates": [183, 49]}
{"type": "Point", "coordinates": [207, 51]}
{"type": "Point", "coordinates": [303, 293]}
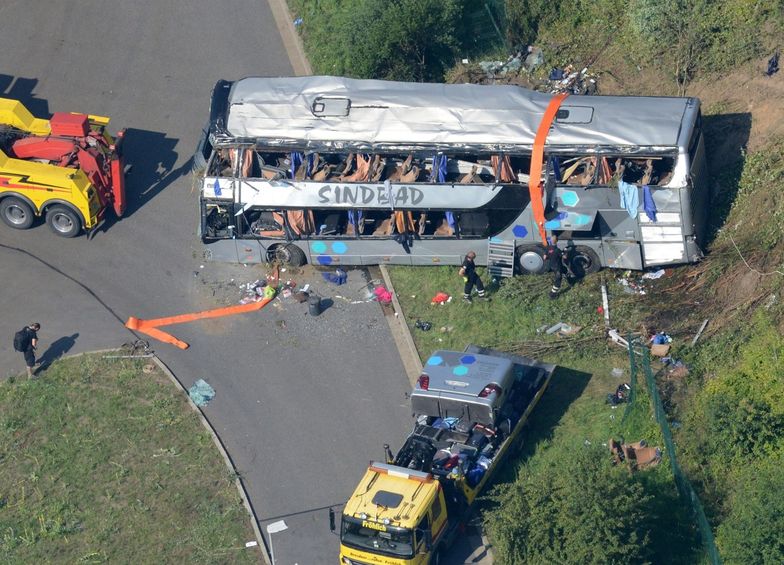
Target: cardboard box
{"type": "Point", "coordinates": [660, 349]}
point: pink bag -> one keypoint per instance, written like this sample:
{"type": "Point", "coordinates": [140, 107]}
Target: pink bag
{"type": "Point", "coordinates": [382, 295]}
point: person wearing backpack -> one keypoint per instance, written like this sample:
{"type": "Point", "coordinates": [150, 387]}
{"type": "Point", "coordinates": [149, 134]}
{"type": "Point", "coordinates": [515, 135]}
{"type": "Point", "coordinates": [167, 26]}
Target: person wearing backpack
{"type": "Point", "coordinates": [26, 342]}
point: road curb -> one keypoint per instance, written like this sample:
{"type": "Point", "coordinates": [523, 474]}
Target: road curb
{"type": "Point", "coordinates": [291, 39]}
{"type": "Point", "coordinates": [401, 333]}
{"type": "Point", "coordinates": [254, 520]}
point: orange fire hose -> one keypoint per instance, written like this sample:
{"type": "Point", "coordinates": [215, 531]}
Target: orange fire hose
{"type": "Point", "coordinates": [150, 327]}
{"type": "Point", "coordinates": [535, 188]}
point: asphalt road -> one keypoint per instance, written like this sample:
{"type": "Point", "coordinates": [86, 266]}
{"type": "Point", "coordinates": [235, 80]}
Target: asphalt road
{"type": "Point", "coordinates": [302, 403]}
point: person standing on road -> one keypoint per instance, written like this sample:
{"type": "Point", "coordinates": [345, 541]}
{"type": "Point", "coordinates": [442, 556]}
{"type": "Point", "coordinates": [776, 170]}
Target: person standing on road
{"type": "Point", "coordinates": [26, 341]}
{"type": "Point", "coordinates": [468, 272]}
{"type": "Point", "coordinates": [554, 260]}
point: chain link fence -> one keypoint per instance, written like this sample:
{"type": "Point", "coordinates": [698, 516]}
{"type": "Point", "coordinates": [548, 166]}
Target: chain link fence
{"type": "Point", "coordinates": [640, 356]}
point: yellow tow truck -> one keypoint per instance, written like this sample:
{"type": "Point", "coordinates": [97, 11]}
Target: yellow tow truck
{"type": "Point", "coordinates": [470, 408]}
{"type": "Point", "coordinates": [67, 169]}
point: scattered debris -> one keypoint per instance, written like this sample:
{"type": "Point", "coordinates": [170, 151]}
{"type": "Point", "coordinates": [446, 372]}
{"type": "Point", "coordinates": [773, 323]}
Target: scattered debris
{"type": "Point", "coordinates": [617, 372]}
{"type": "Point", "coordinates": [339, 277]}
{"type": "Point", "coordinates": [773, 64]}
{"type": "Point", "coordinates": [699, 332]}
{"type": "Point", "coordinates": [253, 543]}
{"type": "Point", "coordinates": [382, 295]}
{"type": "Point", "coordinates": [654, 275]}
{"type": "Point", "coordinates": [605, 307]}
{"type": "Point", "coordinates": [441, 298]}
{"type": "Point", "coordinates": [636, 455]}
{"type": "Point", "coordinates": [561, 329]}
{"type": "Point", "coordinates": [620, 396]}
{"type": "Point", "coordinates": [424, 326]}
{"type": "Point", "coordinates": [567, 79]}
{"type": "Point", "coordinates": [201, 392]}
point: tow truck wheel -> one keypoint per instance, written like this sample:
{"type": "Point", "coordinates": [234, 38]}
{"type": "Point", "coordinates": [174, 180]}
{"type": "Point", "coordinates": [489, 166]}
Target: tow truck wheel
{"type": "Point", "coordinates": [289, 254]}
{"type": "Point", "coordinates": [64, 222]}
{"type": "Point", "coordinates": [16, 213]}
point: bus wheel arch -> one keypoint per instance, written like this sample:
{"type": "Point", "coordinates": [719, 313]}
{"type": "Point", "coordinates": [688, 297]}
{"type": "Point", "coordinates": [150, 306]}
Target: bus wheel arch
{"type": "Point", "coordinates": [530, 259]}
{"type": "Point", "coordinates": [584, 261]}
{"type": "Point", "coordinates": [17, 212]}
{"type": "Point", "coordinates": [63, 220]}
{"type": "Point", "coordinates": [287, 253]}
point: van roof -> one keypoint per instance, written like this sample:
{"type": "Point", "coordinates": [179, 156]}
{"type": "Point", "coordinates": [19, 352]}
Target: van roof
{"type": "Point", "coordinates": [319, 112]}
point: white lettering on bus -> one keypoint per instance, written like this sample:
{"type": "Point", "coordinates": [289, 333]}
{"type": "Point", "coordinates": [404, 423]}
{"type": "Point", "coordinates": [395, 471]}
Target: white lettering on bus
{"type": "Point", "coordinates": [401, 195]}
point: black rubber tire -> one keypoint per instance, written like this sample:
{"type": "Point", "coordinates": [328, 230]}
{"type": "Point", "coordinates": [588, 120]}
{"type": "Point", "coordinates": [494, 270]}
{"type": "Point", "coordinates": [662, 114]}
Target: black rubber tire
{"type": "Point", "coordinates": [527, 263]}
{"type": "Point", "coordinates": [585, 261]}
{"type": "Point", "coordinates": [289, 254]}
{"type": "Point", "coordinates": [436, 559]}
{"type": "Point", "coordinates": [16, 213]}
{"type": "Point", "coordinates": [63, 221]}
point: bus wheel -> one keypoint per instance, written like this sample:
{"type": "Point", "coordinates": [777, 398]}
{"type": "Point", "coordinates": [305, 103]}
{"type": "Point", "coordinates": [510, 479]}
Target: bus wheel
{"type": "Point", "coordinates": [436, 559]}
{"type": "Point", "coordinates": [585, 261]}
{"type": "Point", "coordinates": [63, 221]}
{"type": "Point", "coordinates": [290, 254]}
{"type": "Point", "coordinates": [530, 259]}
{"type": "Point", "coordinates": [16, 213]}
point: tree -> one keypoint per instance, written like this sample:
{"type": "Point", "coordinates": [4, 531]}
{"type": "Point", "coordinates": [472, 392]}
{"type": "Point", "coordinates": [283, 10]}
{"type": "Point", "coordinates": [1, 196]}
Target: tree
{"type": "Point", "coordinates": [577, 511]}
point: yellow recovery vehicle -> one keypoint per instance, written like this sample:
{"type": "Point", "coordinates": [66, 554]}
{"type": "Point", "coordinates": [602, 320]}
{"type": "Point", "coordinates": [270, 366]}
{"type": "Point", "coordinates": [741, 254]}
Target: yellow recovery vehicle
{"type": "Point", "coordinates": [470, 410]}
{"type": "Point", "coordinates": [67, 169]}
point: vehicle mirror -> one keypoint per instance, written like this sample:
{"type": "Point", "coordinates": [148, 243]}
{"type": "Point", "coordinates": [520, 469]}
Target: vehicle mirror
{"type": "Point", "coordinates": [331, 520]}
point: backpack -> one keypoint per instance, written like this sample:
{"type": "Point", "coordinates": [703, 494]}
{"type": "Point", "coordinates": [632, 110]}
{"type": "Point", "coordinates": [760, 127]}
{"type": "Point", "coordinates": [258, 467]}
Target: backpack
{"type": "Point", "coordinates": [20, 340]}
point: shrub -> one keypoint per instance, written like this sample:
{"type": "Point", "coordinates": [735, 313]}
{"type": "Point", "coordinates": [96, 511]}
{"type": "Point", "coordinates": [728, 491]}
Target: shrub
{"type": "Point", "coordinates": [751, 533]}
{"type": "Point", "coordinates": [577, 511]}
{"type": "Point", "coordinates": [410, 40]}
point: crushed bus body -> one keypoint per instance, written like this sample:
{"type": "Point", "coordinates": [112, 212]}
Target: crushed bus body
{"type": "Point", "coordinates": [333, 170]}
{"type": "Point", "coordinates": [67, 169]}
{"type": "Point", "coordinates": [470, 408]}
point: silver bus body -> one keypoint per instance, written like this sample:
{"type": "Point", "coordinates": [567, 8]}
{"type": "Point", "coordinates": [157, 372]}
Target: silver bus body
{"type": "Point", "coordinates": [258, 126]}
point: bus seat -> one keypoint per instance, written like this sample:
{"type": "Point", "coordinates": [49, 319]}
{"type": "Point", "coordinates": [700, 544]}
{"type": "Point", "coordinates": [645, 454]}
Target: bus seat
{"type": "Point", "coordinates": [471, 178]}
{"type": "Point", "coordinates": [412, 175]}
{"type": "Point", "coordinates": [331, 225]}
{"type": "Point", "coordinates": [444, 229]}
{"type": "Point", "coordinates": [474, 223]}
{"type": "Point", "coordinates": [385, 227]}
{"type": "Point", "coordinates": [401, 169]}
{"type": "Point", "coordinates": [363, 169]}
{"type": "Point", "coordinates": [268, 224]}
{"type": "Point", "coordinates": [422, 223]}
{"type": "Point", "coordinates": [301, 222]}
{"type": "Point", "coordinates": [377, 168]}
{"type": "Point", "coordinates": [273, 173]}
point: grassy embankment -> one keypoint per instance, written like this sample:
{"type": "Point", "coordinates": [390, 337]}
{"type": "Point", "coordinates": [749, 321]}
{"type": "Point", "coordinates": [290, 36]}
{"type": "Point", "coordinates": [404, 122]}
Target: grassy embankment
{"type": "Point", "coordinates": [101, 462]}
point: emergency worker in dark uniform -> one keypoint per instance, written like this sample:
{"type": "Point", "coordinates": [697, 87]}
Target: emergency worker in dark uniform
{"type": "Point", "coordinates": [468, 272]}
{"type": "Point", "coordinates": [554, 261]}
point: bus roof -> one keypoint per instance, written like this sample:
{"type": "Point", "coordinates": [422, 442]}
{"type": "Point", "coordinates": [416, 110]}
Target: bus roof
{"type": "Point", "coordinates": [319, 112]}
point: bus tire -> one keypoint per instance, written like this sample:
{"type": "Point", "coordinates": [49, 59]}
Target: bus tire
{"type": "Point", "coordinates": [290, 254]}
{"type": "Point", "coordinates": [16, 213]}
{"type": "Point", "coordinates": [530, 259]}
{"type": "Point", "coordinates": [63, 221]}
{"type": "Point", "coordinates": [436, 558]}
{"type": "Point", "coordinates": [585, 261]}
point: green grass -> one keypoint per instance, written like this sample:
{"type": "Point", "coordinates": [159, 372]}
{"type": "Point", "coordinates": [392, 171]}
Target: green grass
{"type": "Point", "coordinates": [101, 462]}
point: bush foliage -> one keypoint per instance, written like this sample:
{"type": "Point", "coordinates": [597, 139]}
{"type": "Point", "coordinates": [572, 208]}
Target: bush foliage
{"type": "Point", "coordinates": [411, 40]}
{"type": "Point", "coordinates": [577, 511]}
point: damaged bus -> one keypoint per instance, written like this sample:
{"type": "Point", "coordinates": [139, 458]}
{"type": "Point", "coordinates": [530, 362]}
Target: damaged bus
{"type": "Point", "coordinates": [339, 171]}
